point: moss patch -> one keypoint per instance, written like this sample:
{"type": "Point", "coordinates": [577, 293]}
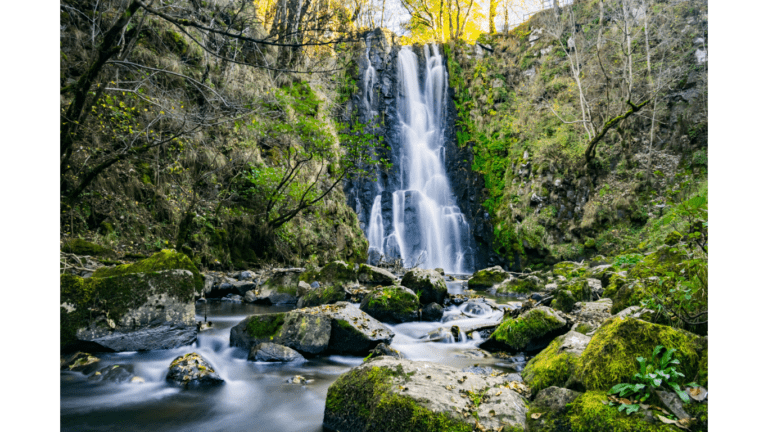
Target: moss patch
{"type": "Point", "coordinates": [82, 247]}
{"type": "Point", "coordinates": [487, 278]}
{"type": "Point", "coordinates": [589, 414]}
{"type": "Point", "coordinates": [264, 326]}
{"type": "Point", "coordinates": [517, 333]}
{"type": "Point", "coordinates": [164, 260]}
{"type": "Point", "coordinates": [517, 286]}
{"type": "Point", "coordinates": [392, 299]}
{"type": "Point", "coordinates": [610, 357]}
{"type": "Point", "coordinates": [549, 368]}
{"type": "Point", "coordinates": [320, 296]}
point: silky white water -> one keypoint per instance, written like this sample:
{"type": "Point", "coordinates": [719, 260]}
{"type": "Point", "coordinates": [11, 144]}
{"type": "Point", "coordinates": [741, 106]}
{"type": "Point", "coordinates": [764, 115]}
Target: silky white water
{"type": "Point", "coordinates": [428, 228]}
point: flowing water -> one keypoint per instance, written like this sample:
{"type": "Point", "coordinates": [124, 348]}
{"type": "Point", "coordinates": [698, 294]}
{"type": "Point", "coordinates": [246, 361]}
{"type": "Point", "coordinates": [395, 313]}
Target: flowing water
{"type": "Point", "coordinates": [256, 396]}
{"type": "Point", "coordinates": [428, 229]}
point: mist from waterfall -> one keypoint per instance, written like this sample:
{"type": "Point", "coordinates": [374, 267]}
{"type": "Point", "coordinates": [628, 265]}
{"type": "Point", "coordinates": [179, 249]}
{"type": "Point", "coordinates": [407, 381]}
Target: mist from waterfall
{"type": "Point", "coordinates": [428, 228]}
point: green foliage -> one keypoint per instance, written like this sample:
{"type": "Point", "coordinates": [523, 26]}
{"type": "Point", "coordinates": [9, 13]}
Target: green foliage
{"type": "Point", "coordinates": [661, 372]}
{"type": "Point", "coordinates": [628, 259]}
{"type": "Point", "coordinates": [82, 247]}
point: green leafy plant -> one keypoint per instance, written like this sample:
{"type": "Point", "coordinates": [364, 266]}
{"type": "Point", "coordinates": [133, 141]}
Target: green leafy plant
{"type": "Point", "coordinates": [659, 372]}
{"type": "Point", "coordinates": [630, 259]}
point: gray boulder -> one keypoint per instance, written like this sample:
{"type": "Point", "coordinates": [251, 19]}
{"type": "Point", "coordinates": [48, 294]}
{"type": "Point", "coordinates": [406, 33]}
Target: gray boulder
{"type": "Point", "coordinates": [367, 274]}
{"type": "Point", "coordinates": [432, 312]}
{"type": "Point", "coordinates": [420, 393]}
{"type": "Point", "coordinates": [487, 278]}
{"type": "Point", "coordinates": [428, 282]}
{"type": "Point", "coordinates": [113, 373]}
{"type": "Point", "coordinates": [138, 311]}
{"type": "Point", "coordinates": [271, 352]}
{"type": "Point", "coordinates": [191, 371]}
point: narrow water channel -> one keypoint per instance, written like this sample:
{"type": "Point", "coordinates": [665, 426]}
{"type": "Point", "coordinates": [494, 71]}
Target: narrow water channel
{"type": "Point", "coordinates": [256, 396]}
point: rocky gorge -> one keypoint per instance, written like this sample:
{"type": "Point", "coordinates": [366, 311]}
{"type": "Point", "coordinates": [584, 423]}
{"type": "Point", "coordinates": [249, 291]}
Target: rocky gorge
{"type": "Point", "coordinates": [485, 266]}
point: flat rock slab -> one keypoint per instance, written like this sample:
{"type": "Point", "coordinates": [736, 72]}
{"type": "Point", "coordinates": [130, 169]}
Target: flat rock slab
{"type": "Point", "coordinates": [441, 391]}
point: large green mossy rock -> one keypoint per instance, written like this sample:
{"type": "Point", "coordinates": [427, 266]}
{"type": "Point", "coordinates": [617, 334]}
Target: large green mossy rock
{"type": "Point", "coordinates": [611, 356]}
{"type": "Point", "coordinates": [164, 260]}
{"type": "Point", "coordinates": [428, 283]}
{"type": "Point", "coordinates": [549, 408]}
{"type": "Point", "coordinates": [281, 288]}
{"type": "Point", "coordinates": [392, 304]}
{"type": "Point", "coordinates": [130, 312]}
{"type": "Point", "coordinates": [334, 273]}
{"type": "Point", "coordinates": [487, 278]}
{"type": "Point", "coordinates": [555, 364]}
{"type": "Point", "coordinates": [337, 328]}
{"type": "Point", "coordinates": [387, 394]}
{"type": "Point", "coordinates": [533, 330]}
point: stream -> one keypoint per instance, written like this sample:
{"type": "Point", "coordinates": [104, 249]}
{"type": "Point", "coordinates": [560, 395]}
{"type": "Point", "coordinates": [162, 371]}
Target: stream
{"type": "Point", "coordinates": [256, 396]}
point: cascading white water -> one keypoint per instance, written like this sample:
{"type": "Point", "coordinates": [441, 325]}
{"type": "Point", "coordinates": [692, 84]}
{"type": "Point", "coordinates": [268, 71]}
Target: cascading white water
{"type": "Point", "coordinates": [428, 228]}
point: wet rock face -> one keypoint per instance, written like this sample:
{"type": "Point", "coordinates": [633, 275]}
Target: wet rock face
{"type": "Point", "coordinates": [420, 393]}
{"type": "Point", "coordinates": [270, 352]}
{"type": "Point", "coordinates": [378, 105]}
{"type": "Point", "coordinates": [192, 371]}
{"type": "Point", "coordinates": [113, 373]}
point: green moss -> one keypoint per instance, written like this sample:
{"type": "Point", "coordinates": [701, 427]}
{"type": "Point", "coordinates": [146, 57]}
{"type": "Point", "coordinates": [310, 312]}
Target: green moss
{"type": "Point", "coordinates": [264, 326]}
{"type": "Point", "coordinates": [164, 260]}
{"type": "Point", "coordinates": [610, 357]}
{"type": "Point", "coordinates": [394, 299]}
{"type": "Point", "coordinates": [345, 325]}
{"type": "Point", "coordinates": [326, 295]}
{"type": "Point", "coordinates": [113, 297]}
{"type": "Point", "coordinates": [486, 278]}
{"type": "Point", "coordinates": [518, 332]}
{"type": "Point", "coordinates": [616, 282]}
{"type": "Point", "coordinates": [565, 300]}
{"type": "Point", "coordinates": [703, 375]}
{"type": "Point", "coordinates": [82, 247]}
{"type": "Point", "coordinates": [549, 368]}
{"type": "Point", "coordinates": [518, 286]}
{"type": "Point", "coordinates": [588, 413]}
{"type": "Point", "coordinates": [583, 328]}
{"type": "Point", "coordinates": [363, 396]}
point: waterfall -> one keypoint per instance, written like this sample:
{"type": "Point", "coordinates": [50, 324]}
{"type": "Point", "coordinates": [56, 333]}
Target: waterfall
{"type": "Point", "coordinates": [428, 229]}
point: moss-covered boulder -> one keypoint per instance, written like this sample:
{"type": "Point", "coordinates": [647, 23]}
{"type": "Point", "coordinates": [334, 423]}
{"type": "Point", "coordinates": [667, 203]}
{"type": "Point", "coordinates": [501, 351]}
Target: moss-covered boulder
{"type": "Point", "coordinates": [337, 328]}
{"type": "Point", "coordinates": [610, 358]}
{"type": "Point", "coordinates": [517, 287]}
{"type": "Point", "coordinates": [142, 306]}
{"type": "Point", "coordinates": [192, 371]}
{"type": "Point", "coordinates": [328, 294]}
{"type": "Point", "coordinates": [166, 259]}
{"type": "Point", "coordinates": [392, 304]}
{"type": "Point", "coordinates": [387, 394]}
{"type": "Point", "coordinates": [428, 284]}
{"type": "Point", "coordinates": [82, 247]}
{"type": "Point", "coordinates": [336, 273]}
{"type": "Point", "coordinates": [487, 278]}
{"type": "Point", "coordinates": [554, 365]}
{"type": "Point", "coordinates": [533, 330]}
{"type": "Point", "coordinates": [371, 275]}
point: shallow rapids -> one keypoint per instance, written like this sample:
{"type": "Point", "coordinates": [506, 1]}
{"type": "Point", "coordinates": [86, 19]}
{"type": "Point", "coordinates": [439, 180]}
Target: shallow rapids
{"type": "Point", "coordinates": [256, 396]}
